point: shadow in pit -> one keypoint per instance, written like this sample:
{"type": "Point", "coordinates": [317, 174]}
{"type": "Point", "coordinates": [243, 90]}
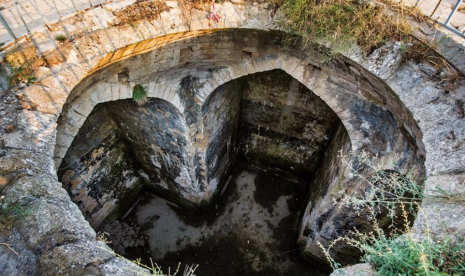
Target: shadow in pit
{"type": "Point", "coordinates": [251, 230]}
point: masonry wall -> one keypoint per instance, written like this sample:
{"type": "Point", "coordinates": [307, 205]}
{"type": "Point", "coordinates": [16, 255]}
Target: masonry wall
{"type": "Point", "coordinates": [97, 173]}
{"type": "Point", "coordinates": [156, 136]}
{"type": "Point", "coordinates": [284, 125]}
{"type": "Point", "coordinates": [328, 178]}
{"type": "Point", "coordinates": [221, 113]}
{"type": "Point", "coordinates": [335, 179]}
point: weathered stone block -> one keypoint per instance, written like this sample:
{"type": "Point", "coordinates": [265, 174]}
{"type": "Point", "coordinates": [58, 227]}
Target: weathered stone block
{"type": "Point", "coordinates": [249, 67]}
{"type": "Point", "coordinates": [239, 70]}
{"type": "Point", "coordinates": [364, 269]}
{"type": "Point", "coordinates": [57, 162]}
{"type": "Point", "coordinates": [64, 139]}
{"type": "Point", "coordinates": [104, 93]}
{"type": "Point", "coordinates": [121, 267]}
{"type": "Point", "coordinates": [45, 98]}
{"type": "Point", "coordinates": [83, 105]}
{"type": "Point", "coordinates": [171, 95]}
{"type": "Point", "coordinates": [60, 151]}
{"type": "Point", "coordinates": [36, 186]}
{"type": "Point", "coordinates": [289, 64]}
{"type": "Point", "coordinates": [35, 131]}
{"type": "Point", "coordinates": [115, 92]}
{"type": "Point", "coordinates": [126, 90]}
{"type": "Point", "coordinates": [55, 220]}
{"type": "Point", "coordinates": [75, 258]}
{"type": "Point", "coordinates": [25, 162]}
{"type": "Point", "coordinates": [445, 185]}
{"type": "Point", "coordinates": [73, 117]}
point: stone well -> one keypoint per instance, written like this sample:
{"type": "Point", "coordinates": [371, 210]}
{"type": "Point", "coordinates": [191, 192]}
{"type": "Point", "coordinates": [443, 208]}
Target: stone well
{"type": "Point", "coordinates": [78, 136]}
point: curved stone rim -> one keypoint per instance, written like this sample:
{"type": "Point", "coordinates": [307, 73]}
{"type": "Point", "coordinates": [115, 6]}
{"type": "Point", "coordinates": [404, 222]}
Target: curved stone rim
{"type": "Point", "coordinates": [60, 80]}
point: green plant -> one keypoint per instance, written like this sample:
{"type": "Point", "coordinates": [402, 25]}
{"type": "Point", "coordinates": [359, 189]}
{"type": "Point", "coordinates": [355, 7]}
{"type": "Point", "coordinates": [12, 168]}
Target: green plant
{"type": "Point", "coordinates": [449, 196]}
{"type": "Point", "coordinates": [61, 37]}
{"type": "Point", "coordinates": [22, 73]}
{"type": "Point", "coordinates": [397, 250]}
{"type": "Point", "coordinates": [11, 213]}
{"type": "Point", "coordinates": [139, 95]}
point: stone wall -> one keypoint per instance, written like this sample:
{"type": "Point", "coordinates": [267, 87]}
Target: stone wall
{"type": "Point", "coordinates": [283, 124]}
{"type": "Point", "coordinates": [328, 178]}
{"type": "Point", "coordinates": [334, 179]}
{"type": "Point", "coordinates": [96, 171]}
{"type": "Point", "coordinates": [156, 137]}
{"type": "Point", "coordinates": [221, 113]}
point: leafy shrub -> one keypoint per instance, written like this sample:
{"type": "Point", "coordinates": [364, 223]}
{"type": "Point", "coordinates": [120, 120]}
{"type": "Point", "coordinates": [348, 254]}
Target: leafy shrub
{"type": "Point", "coordinates": [407, 255]}
{"type": "Point", "coordinates": [398, 251]}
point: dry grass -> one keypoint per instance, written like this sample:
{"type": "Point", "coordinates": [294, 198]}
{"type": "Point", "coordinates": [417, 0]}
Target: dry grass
{"type": "Point", "coordinates": [343, 22]}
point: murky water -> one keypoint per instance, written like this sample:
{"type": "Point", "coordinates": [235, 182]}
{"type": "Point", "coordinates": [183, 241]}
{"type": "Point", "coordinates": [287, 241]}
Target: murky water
{"type": "Point", "coordinates": [250, 231]}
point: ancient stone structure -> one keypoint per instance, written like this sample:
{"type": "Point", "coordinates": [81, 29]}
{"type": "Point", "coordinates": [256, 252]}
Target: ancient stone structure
{"type": "Point", "coordinates": [206, 106]}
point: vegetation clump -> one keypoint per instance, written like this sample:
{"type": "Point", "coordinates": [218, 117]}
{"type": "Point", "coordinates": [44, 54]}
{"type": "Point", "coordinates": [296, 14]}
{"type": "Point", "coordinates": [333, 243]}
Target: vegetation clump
{"type": "Point", "coordinates": [11, 213]}
{"type": "Point", "coordinates": [61, 38]}
{"type": "Point", "coordinates": [153, 268]}
{"type": "Point", "coordinates": [139, 95]}
{"type": "Point", "coordinates": [397, 250]}
{"type": "Point", "coordinates": [21, 74]}
{"type": "Point", "coordinates": [344, 22]}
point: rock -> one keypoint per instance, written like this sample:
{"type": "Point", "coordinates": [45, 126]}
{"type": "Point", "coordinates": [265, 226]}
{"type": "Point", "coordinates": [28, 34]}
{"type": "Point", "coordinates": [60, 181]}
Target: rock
{"type": "Point", "coordinates": [17, 262]}
{"type": "Point", "coordinates": [53, 221]}
{"type": "Point", "coordinates": [33, 131]}
{"type": "Point", "coordinates": [121, 267]}
{"type": "Point", "coordinates": [440, 218]}
{"type": "Point", "coordinates": [385, 60]}
{"type": "Point", "coordinates": [172, 4]}
{"type": "Point", "coordinates": [356, 270]}
{"type": "Point", "coordinates": [25, 162]}
{"type": "Point", "coordinates": [75, 259]}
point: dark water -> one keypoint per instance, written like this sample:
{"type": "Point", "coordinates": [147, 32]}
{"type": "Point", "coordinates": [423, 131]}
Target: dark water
{"type": "Point", "coordinates": [251, 230]}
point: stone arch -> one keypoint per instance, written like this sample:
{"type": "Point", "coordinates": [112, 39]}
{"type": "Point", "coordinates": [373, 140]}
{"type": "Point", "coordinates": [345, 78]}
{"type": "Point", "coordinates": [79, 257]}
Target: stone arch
{"type": "Point", "coordinates": [193, 67]}
{"type": "Point", "coordinates": [332, 179]}
{"type": "Point", "coordinates": [76, 111]}
{"type": "Point", "coordinates": [120, 149]}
